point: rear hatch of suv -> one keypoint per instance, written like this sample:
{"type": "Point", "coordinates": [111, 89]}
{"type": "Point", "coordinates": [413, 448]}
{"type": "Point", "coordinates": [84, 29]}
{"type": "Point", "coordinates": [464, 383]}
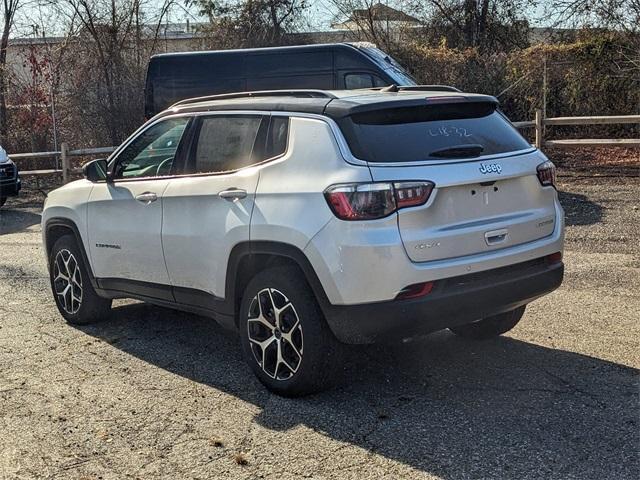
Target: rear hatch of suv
{"type": "Point", "coordinates": [487, 195]}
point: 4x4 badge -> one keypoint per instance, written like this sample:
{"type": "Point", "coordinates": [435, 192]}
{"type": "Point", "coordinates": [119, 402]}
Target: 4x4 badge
{"type": "Point", "coordinates": [490, 168]}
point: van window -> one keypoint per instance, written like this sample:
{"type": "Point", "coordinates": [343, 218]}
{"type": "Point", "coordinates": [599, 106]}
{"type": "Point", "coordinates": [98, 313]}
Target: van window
{"type": "Point", "coordinates": [277, 137]}
{"type": "Point", "coordinates": [353, 81]}
{"type": "Point", "coordinates": [435, 132]}
{"type": "Point", "coordinates": [225, 143]}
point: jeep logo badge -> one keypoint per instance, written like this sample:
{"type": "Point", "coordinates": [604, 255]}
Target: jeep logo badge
{"type": "Point", "coordinates": [490, 168]}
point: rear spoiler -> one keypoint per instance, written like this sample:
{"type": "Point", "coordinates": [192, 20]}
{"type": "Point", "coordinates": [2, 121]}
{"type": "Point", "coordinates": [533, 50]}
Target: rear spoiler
{"type": "Point", "coordinates": [340, 108]}
{"type": "Point", "coordinates": [417, 88]}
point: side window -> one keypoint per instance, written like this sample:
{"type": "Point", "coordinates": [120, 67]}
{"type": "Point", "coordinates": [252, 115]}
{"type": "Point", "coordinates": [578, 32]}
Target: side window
{"type": "Point", "coordinates": [226, 143]}
{"type": "Point", "coordinates": [152, 153]}
{"type": "Point", "coordinates": [354, 81]}
{"type": "Point", "coordinates": [277, 137]}
{"type": "Point", "coordinates": [378, 82]}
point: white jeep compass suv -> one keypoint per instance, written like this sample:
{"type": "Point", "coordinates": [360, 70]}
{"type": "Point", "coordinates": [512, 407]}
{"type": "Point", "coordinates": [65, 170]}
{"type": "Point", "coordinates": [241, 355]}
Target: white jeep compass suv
{"type": "Point", "coordinates": [308, 219]}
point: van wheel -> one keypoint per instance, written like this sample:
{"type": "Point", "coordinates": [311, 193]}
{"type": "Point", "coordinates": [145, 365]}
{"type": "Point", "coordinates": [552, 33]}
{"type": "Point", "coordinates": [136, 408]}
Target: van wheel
{"type": "Point", "coordinates": [285, 338]}
{"type": "Point", "coordinates": [75, 298]}
{"type": "Point", "coordinates": [490, 327]}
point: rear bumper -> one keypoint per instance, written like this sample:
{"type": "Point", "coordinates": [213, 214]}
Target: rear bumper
{"type": "Point", "coordinates": [361, 263]}
{"type": "Point", "coordinates": [453, 301]}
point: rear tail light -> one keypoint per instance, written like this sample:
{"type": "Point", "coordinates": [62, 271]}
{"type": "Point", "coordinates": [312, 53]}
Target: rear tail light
{"type": "Point", "coordinates": [368, 201]}
{"type": "Point", "coordinates": [554, 258]}
{"type": "Point", "coordinates": [547, 174]}
{"type": "Point", "coordinates": [412, 194]}
{"type": "Point", "coordinates": [364, 201]}
{"type": "Point", "coordinates": [414, 291]}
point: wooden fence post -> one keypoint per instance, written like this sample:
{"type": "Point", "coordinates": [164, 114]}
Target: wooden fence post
{"type": "Point", "coordinates": [64, 156]}
{"type": "Point", "coordinates": [539, 128]}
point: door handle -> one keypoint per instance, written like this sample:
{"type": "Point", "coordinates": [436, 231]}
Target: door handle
{"type": "Point", "coordinates": [233, 194]}
{"type": "Point", "coordinates": [147, 197]}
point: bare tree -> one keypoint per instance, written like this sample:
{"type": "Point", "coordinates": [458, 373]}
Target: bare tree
{"type": "Point", "coordinates": [483, 24]}
{"type": "Point", "coordinates": [623, 15]}
{"type": "Point", "coordinates": [250, 23]}
{"type": "Point", "coordinates": [365, 20]}
{"type": "Point", "coordinates": [9, 10]}
{"type": "Point", "coordinates": [112, 37]}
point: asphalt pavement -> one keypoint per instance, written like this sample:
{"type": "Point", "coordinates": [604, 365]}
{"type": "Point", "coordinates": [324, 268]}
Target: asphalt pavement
{"type": "Point", "coordinates": [155, 393]}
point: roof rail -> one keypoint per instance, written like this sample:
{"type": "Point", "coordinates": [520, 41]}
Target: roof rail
{"type": "Point", "coordinates": [300, 93]}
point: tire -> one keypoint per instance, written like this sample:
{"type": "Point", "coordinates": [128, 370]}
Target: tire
{"type": "Point", "coordinates": [3, 200]}
{"type": "Point", "coordinates": [312, 356]}
{"type": "Point", "coordinates": [490, 327]}
{"type": "Point", "coordinates": [74, 295]}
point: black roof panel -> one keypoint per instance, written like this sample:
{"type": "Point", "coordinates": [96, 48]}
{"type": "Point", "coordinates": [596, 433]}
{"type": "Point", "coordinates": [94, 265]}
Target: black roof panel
{"type": "Point", "coordinates": [337, 103]}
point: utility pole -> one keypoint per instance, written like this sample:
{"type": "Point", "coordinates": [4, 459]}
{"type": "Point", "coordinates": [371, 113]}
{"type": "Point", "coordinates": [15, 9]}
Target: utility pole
{"type": "Point", "coordinates": [544, 87]}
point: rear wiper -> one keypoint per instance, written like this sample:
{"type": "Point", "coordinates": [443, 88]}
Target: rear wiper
{"type": "Point", "coordinates": [468, 150]}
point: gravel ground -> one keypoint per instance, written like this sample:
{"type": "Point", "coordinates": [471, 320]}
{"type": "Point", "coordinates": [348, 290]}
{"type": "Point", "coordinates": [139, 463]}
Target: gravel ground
{"type": "Point", "coordinates": [155, 393]}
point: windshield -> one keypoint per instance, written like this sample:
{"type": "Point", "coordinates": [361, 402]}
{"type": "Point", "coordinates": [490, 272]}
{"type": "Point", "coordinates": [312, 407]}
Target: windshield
{"type": "Point", "coordinates": [391, 65]}
{"type": "Point", "coordinates": [436, 132]}
{"type": "Point", "coordinates": [401, 77]}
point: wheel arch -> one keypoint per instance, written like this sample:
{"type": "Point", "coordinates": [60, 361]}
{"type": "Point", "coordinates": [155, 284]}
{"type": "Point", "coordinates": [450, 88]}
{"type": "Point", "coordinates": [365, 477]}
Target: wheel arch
{"type": "Point", "coordinates": [249, 258]}
{"type": "Point", "coordinates": [55, 228]}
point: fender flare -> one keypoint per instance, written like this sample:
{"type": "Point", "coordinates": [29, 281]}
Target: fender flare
{"type": "Point", "coordinates": [250, 248]}
{"type": "Point", "coordinates": [69, 225]}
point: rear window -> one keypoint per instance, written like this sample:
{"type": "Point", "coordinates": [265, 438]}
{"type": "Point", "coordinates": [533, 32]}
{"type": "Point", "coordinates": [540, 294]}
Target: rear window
{"type": "Point", "coordinates": [434, 132]}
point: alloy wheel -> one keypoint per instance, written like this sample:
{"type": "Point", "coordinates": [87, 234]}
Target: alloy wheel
{"type": "Point", "coordinates": [275, 334]}
{"type": "Point", "coordinates": [67, 281]}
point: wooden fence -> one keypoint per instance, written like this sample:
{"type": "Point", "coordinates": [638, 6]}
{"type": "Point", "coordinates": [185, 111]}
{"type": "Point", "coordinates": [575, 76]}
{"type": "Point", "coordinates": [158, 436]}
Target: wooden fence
{"type": "Point", "coordinates": [64, 155]}
{"type": "Point", "coordinates": [539, 123]}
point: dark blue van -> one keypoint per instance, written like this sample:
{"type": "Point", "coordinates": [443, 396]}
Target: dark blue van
{"type": "Point", "coordinates": [175, 76]}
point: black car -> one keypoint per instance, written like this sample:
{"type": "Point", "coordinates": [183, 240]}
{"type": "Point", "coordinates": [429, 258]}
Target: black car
{"type": "Point", "coordinates": [172, 77]}
{"type": "Point", "coordinates": [9, 178]}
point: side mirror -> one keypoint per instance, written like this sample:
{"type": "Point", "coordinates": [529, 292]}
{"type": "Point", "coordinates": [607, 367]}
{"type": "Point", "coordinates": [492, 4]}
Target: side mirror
{"type": "Point", "coordinates": [96, 170]}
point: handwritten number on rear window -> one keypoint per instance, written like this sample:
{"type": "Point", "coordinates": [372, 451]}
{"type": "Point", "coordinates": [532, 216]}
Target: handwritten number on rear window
{"type": "Point", "coordinates": [449, 132]}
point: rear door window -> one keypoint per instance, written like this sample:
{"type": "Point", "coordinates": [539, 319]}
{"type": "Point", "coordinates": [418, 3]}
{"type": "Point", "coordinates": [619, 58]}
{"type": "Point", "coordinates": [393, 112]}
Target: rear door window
{"type": "Point", "coordinates": [226, 143]}
{"type": "Point", "coordinates": [435, 132]}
